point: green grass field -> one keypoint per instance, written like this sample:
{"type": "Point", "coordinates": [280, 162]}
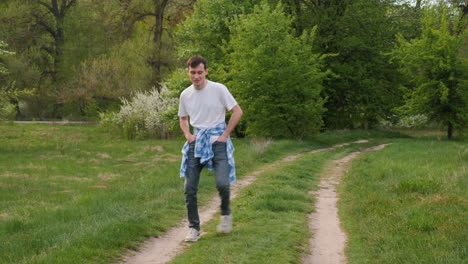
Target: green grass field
{"type": "Point", "coordinates": [78, 194]}
{"type": "Point", "coordinates": [408, 203]}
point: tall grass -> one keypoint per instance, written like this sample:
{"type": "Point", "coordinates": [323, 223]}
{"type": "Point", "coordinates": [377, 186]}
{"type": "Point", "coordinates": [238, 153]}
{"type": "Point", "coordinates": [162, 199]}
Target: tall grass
{"type": "Point", "coordinates": [76, 194]}
{"type": "Point", "coordinates": [408, 204]}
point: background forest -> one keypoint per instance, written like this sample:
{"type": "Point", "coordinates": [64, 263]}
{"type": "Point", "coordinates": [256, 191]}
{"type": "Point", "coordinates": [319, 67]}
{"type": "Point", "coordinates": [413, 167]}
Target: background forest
{"type": "Point", "coordinates": [295, 66]}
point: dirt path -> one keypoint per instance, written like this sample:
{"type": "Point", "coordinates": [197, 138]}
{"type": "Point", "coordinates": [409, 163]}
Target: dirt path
{"type": "Point", "coordinates": [162, 249]}
{"type": "Point", "coordinates": [328, 241]}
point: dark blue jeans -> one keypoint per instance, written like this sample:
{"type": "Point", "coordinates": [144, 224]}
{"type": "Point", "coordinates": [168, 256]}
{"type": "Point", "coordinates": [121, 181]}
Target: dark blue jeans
{"type": "Point", "coordinates": [192, 178]}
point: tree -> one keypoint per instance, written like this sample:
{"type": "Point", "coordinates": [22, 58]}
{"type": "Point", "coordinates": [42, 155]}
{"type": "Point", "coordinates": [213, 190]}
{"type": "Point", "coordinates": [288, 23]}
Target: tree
{"type": "Point", "coordinates": [18, 30]}
{"type": "Point", "coordinates": [358, 32]}
{"type": "Point", "coordinates": [275, 76]}
{"type": "Point", "coordinates": [8, 91]}
{"type": "Point", "coordinates": [39, 36]}
{"type": "Point", "coordinates": [156, 61]}
{"type": "Point", "coordinates": [206, 31]}
{"type": "Point", "coordinates": [437, 75]}
{"type": "Point", "coordinates": [57, 39]}
{"type": "Point", "coordinates": [101, 82]}
{"type": "Point", "coordinates": [51, 17]}
{"type": "Point", "coordinates": [157, 13]}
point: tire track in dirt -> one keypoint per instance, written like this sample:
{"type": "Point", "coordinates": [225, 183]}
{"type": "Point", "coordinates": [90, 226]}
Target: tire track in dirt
{"type": "Point", "coordinates": [328, 242]}
{"type": "Point", "coordinates": [162, 249]}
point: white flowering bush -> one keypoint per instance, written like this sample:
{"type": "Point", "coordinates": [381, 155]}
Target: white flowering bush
{"type": "Point", "coordinates": [405, 122]}
{"type": "Point", "coordinates": [4, 52]}
{"type": "Point", "coordinates": [145, 115]}
{"type": "Point", "coordinates": [414, 121]}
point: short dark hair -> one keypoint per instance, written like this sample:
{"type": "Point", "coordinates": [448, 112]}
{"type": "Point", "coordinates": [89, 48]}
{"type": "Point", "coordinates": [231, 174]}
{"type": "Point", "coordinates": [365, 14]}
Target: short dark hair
{"type": "Point", "coordinates": [196, 60]}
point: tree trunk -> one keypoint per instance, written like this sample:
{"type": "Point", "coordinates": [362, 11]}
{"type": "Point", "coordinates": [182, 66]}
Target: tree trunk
{"type": "Point", "coordinates": [156, 60]}
{"type": "Point", "coordinates": [58, 12]}
{"type": "Point", "coordinates": [59, 40]}
{"type": "Point", "coordinates": [449, 130]}
{"type": "Point", "coordinates": [418, 4]}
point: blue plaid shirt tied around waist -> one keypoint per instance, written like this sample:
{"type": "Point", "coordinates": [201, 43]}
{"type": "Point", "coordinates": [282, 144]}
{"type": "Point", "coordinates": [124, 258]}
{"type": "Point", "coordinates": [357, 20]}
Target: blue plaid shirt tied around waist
{"type": "Point", "coordinates": [204, 150]}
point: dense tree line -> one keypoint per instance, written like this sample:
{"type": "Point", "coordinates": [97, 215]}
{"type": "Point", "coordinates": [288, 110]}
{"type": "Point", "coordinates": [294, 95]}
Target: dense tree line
{"type": "Point", "coordinates": [296, 66]}
{"type": "Point", "coordinates": [81, 56]}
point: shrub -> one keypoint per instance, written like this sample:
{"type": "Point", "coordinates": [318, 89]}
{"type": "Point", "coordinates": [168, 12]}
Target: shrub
{"type": "Point", "coordinates": [275, 76]}
{"type": "Point", "coordinates": [414, 121]}
{"type": "Point", "coordinates": [7, 110]}
{"type": "Point", "coordinates": [145, 115]}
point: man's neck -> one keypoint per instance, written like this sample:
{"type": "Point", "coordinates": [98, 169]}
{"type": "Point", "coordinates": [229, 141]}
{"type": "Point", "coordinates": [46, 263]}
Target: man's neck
{"type": "Point", "coordinates": [201, 86]}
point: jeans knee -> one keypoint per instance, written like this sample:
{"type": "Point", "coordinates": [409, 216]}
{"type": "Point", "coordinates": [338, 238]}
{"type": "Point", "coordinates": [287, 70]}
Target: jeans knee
{"type": "Point", "coordinates": [222, 187]}
{"type": "Point", "coordinates": [190, 191]}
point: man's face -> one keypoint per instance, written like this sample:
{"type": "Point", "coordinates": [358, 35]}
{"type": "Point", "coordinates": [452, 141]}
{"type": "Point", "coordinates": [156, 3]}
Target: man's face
{"type": "Point", "coordinates": [197, 75]}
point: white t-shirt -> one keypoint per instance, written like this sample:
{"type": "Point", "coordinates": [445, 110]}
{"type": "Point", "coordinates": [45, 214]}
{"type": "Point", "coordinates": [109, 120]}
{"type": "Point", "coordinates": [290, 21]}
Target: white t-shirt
{"type": "Point", "coordinates": [206, 107]}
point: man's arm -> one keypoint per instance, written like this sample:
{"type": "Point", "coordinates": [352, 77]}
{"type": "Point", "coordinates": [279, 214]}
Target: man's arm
{"type": "Point", "coordinates": [233, 121]}
{"type": "Point", "coordinates": [184, 125]}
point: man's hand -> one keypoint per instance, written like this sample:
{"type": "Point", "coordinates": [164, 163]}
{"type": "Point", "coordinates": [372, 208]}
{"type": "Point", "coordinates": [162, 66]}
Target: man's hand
{"type": "Point", "coordinates": [190, 138]}
{"type": "Point", "coordinates": [222, 138]}
{"type": "Point", "coordinates": [184, 125]}
{"type": "Point", "coordinates": [235, 117]}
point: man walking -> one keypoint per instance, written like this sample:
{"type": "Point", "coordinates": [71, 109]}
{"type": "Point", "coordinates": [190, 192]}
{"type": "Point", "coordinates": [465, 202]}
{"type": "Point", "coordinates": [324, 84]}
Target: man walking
{"type": "Point", "coordinates": [204, 104]}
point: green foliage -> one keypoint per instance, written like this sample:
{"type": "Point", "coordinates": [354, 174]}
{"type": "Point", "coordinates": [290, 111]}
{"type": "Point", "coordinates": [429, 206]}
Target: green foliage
{"type": "Point", "coordinates": [106, 79]}
{"type": "Point", "coordinates": [3, 52]}
{"type": "Point", "coordinates": [363, 89]}
{"type": "Point", "coordinates": [275, 76]}
{"type": "Point", "coordinates": [437, 76]}
{"type": "Point", "coordinates": [7, 109]}
{"type": "Point", "coordinates": [104, 50]}
{"type": "Point", "coordinates": [8, 95]}
{"type": "Point", "coordinates": [88, 36]}
{"type": "Point", "coordinates": [206, 31]}
{"type": "Point", "coordinates": [104, 53]}
{"type": "Point", "coordinates": [22, 81]}
{"type": "Point", "coordinates": [104, 65]}
{"type": "Point", "coordinates": [178, 81]}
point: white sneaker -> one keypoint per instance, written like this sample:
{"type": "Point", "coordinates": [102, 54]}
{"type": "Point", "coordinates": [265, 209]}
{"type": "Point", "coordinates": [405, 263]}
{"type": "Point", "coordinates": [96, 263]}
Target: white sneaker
{"type": "Point", "coordinates": [193, 235]}
{"type": "Point", "coordinates": [226, 224]}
